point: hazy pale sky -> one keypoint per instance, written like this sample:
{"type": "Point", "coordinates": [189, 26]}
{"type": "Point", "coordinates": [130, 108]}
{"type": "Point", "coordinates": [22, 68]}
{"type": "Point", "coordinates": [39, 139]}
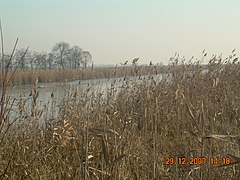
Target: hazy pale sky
{"type": "Point", "coordinates": [117, 30]}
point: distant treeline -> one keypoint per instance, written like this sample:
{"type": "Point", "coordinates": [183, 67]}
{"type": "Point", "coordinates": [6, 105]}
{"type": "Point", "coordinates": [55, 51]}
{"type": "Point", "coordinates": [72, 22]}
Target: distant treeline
{"type": "Point", "coordinates": [62, 56]}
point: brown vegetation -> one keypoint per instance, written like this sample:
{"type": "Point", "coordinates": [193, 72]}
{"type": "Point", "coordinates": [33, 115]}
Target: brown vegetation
{"type": "Point", "coordinates": [29, 76]}
{"type": "Point", "coordinates": [129, 134]}
{"type": "Point", "coordinates": [189, 112]}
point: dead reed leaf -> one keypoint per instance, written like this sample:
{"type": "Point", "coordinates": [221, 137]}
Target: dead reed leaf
{"type": "Point", "coordinates": [105, 150]}
{"type": "Point", "coordinates": [223, 138]}
{"type": "Point", "coordinates": [99, 171]}
{"type": "Point", "coordinates": [193, 118]}
{"type": "Point", "coordinates": [99, 131]}
{"type": "Point", "coordinates": [119, 158]}
{"type": "Point", "coordinates": [199, 139]}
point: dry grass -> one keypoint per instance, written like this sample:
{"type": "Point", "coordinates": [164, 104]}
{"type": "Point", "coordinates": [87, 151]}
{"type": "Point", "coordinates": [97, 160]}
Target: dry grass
{"type": "Point", "coordinates": [129, 133]}
{"type": "Point", "coordinates": [28, 76]}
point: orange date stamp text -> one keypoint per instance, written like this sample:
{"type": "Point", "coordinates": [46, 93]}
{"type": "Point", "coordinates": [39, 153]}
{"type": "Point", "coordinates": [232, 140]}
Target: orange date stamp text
{"type": "Point", "coordinates": [197, 161]}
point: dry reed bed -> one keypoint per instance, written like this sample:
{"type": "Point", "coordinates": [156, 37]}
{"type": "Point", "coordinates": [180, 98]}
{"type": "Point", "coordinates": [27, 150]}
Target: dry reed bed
{"type": "Point", "coordinates": [29, 76]}
{"type": "Point", "coordinates": [128, 134]}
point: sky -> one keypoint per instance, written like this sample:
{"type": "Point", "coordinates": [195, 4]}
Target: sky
{"type": "Point", "coordinates": [114, 31]}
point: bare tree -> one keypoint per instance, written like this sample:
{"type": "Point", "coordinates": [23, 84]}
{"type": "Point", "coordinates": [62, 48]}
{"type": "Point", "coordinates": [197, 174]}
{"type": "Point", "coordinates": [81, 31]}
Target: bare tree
{"type": "Point", "coordinates": [41, 61]}
{"type": "Point", "coordinates": [50, 60]}
{"type": "Point", "coordinates": [44, 60]}
{"type": "Point", "coordinates": [61, 51]}
{"type": "Point", "coordinates": [32, 59]}
{"type": "Point", "coordinates": [61, 56]}
{"type": "Point", "coordinates": [87, 58]}
{"type": "Point", "coordinates": [5, 58]}
{"type": "Point", "coordinates": [24, 62]}
{"type": "Point", "coordinates": [75, 56]}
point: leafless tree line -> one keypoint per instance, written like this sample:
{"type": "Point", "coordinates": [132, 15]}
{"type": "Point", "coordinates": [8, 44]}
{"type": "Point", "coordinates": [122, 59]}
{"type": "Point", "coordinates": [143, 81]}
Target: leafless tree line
{"type": "Point", "coordinates": [62, 56]}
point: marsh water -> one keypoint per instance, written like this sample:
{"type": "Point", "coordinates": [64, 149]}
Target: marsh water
{"type": "Point", "coordinates": [56, 91]}
{"type": "Point", "coordinates": [60, 89]}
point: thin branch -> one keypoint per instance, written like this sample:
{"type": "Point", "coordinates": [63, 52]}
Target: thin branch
{"type": "Point", "coordinates": [9, 62]}
{"type": "Point", "coordinates": [2, 46]}
{"type": "Point", "coordinates": [18, 65]}
{"type": "Point", "coordinates": [11, 57]}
